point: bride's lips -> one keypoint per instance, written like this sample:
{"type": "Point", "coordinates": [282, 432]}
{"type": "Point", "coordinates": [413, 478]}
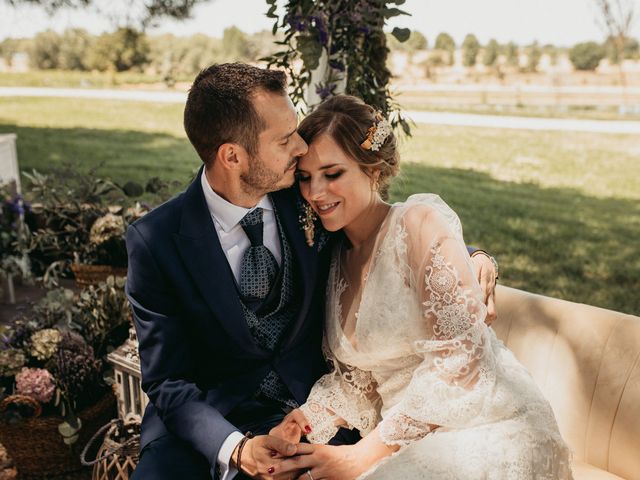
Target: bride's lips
{"type": "Point", "coordinates": [326, 208]}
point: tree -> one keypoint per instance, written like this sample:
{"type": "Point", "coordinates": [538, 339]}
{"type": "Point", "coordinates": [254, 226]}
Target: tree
{"type": "Point", "coordinates": [236, 45]}
{"type": "Point", "coordinates": [445, 42]}
{"type": "Point", "coordinates": [586, 55]}
{"type": "Point", "coordinates": [552, 51]}
{"type": "Point", "coordinates": [75, 45]}
{"type": "Point", "coordinates": [9, 47]}
{"type": "Point", "coordinates": [470, 50]}
{"type": "Point", "coordinates": [44, 52]}
{"type": "Point", "coordinates": [533, 57]}
{"type": "Point", "coordinates": [121, 50]}
{"type": "Point", "coordinates": [491, 53]}
{"type": "Point", "coordinates": [513, 55]}
{"type": "Point", "coordinates": [617, 18]}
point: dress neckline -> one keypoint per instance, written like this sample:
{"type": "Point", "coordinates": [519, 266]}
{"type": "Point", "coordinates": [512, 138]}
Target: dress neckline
{"type": "Point", "coordinates": [340, 283]}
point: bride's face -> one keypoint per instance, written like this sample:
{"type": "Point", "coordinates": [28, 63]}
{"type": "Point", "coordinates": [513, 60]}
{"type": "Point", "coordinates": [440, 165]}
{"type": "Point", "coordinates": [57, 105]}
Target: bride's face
{"type": "Point", "coordinates": [333, 184]}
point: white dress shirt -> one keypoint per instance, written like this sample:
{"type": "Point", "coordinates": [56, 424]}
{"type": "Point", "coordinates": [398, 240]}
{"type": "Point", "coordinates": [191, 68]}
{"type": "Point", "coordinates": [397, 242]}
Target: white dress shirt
{"type": "Point", "coordinates": [226, 217]}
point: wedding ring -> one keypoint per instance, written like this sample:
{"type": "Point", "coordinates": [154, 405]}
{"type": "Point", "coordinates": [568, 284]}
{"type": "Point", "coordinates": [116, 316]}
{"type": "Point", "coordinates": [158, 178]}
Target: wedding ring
{"type": "Point", "coordinates": [309, 473]}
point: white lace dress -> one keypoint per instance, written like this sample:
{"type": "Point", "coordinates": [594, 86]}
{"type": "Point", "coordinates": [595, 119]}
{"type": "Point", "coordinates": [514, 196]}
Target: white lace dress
{"type": "Point", "coordinates": [411, 354]}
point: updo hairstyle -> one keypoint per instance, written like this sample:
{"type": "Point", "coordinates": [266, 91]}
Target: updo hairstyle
{"type": "Point", "coordinates": [347, 119]}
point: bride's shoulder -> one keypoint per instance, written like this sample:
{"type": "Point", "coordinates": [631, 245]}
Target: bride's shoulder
{"type": "Point", "coordinates": [424, 211]}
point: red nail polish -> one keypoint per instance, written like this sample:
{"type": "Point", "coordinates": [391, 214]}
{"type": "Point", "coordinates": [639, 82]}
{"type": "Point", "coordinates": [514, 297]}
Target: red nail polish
{"type": "Point", "coordinates": [270, 470]}
{"type": "Point", "coordinates": [307, 429]}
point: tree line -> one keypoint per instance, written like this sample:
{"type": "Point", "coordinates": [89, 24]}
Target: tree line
{"type": "Point", "coordinates": [583, 55]}
{"type": "Point", "coordinates": [172, 57]}
{"type": "Point", "coordinates": [127, 49]}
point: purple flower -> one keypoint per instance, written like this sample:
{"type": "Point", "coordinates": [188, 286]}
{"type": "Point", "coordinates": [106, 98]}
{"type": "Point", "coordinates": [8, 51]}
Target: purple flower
{"type": "Point", "coordinates": [37, 383]}
{"type": "Point", "coordinates": [325, 91]}
{"type": "Point", "coordinates": [336, 65]}
{"type": "Point", "coordinates": [297, 23]}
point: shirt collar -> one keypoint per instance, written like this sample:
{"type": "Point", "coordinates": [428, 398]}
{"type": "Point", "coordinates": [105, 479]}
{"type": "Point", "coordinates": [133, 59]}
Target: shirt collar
{"type": "Point", "coordinates": [226, 213]}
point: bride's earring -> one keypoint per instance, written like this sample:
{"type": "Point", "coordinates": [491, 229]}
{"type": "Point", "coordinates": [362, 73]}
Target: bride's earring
{"type": "Point", "coordinates": [308, 224]}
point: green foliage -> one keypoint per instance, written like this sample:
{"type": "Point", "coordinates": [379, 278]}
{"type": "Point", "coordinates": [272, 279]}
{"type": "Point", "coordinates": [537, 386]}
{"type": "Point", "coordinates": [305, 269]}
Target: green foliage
{"type": "Point", "coordinates": [122, 50]}
{"type": "Point", "coordinates": [445, 42]}
{"type": "Point", "coordinates": [44, 52]}
{"type": "Point", "coordinates": [236, 45]}
{"type": "Point", "coordinates": [586, 55]}
{"type": "Point", "coordinates": [470, 50]}
{"type": "Point", "coordinates": [350, 35]}
{"type": "Point", "coordinates": [512, 54]}
{"type": "Point", "coordinates": [534, 52]}
{"type": "Point", "coordinates": [404, 40]}
{"type": "Point", "coordinates": [491, 52]}
{"type": "Point", "coordinates": [75, 45]}
{"type": "Point", "coordinates": [629, 51]}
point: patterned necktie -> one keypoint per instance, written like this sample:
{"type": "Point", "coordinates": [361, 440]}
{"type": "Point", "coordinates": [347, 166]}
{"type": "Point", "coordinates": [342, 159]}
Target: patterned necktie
{"type": "Point", "coordinates": [258, 269]}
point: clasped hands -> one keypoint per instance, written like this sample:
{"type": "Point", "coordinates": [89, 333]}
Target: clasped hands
{"type": "Point", "coordinates": [281, 456]}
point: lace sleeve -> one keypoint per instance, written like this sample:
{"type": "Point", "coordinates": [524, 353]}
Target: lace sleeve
{"type": "Point", "coordinates": [344, 397]}
{"type": "Point", "coordinates": [450, 385]}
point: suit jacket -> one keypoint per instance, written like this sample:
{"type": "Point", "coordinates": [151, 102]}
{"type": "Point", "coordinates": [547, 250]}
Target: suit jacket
{"type": "Point", "coordinates": [198, 357]}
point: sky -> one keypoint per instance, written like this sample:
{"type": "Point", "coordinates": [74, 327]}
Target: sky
{"type": "Point", "coordinates": [560, 22]}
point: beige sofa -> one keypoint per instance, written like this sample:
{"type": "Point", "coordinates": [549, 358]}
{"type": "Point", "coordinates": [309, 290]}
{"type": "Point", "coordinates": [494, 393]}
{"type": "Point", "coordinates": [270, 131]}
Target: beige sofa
{"type": "Point", "coordinates": [586, 360]}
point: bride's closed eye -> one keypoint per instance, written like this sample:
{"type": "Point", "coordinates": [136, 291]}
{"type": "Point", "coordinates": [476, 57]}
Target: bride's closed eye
{"type": "Point", "coordinates": [334, 175]}
{"type": "Point", "coordinates": [302, 177]}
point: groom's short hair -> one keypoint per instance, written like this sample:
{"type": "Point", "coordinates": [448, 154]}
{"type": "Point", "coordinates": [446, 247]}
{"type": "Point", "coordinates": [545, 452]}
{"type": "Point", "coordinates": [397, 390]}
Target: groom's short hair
{"type": "Point", "coordinates": [220, 109]}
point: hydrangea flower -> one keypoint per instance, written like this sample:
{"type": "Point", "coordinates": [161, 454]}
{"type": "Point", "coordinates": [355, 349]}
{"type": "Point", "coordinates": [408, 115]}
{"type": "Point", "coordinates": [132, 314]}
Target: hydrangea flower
{"type": "Point", "coordinates": [11, 361]}
{"type": "Point", "coordinates": [44, 343]}
{"type": "Point", "coordinates": [37, 383]}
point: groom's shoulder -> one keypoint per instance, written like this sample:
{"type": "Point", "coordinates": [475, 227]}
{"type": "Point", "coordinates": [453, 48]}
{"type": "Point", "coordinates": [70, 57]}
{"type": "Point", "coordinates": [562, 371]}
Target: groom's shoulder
{"type": "Point", "coordinates": [164, 217]}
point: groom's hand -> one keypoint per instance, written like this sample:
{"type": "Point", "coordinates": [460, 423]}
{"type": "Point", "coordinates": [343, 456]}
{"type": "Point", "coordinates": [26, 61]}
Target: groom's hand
{"type": "Point", "coordinates": [262, 457]}
{"type": "Point", "coordinates": [293, 427]}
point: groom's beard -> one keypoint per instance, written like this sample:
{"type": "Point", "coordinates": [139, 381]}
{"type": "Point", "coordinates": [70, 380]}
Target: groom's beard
{"type": "Point", "coordinates": [260, 179]}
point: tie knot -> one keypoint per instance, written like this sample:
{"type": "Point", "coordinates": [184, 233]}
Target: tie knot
{"type": "Point", "coordinates": [251, 223]}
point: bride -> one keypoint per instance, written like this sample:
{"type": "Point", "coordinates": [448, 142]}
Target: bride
{"type": "Point", "coordinates": [415, 369]}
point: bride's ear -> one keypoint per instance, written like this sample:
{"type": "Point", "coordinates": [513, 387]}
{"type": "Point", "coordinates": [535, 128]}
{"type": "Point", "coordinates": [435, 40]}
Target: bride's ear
{"type": "Point", "coordinates": [374, 175]}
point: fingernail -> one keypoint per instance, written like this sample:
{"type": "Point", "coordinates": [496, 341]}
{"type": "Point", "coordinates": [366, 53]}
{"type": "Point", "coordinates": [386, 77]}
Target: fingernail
{"type": "Point", "coordinates": [307, 429]}
{"type": "Point", "coordinates": [291, 449]}
{"type": "Point", "coordinates": [273, 454]}
{"type": "Point", "coordinates": [270, 470]}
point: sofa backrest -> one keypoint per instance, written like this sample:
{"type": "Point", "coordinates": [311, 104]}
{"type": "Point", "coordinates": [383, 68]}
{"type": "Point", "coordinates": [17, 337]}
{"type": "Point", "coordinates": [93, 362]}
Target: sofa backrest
{"type": "Point", "coordinates": [586, 361]}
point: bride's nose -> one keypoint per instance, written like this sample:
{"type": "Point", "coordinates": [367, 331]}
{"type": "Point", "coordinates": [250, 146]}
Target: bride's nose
{"type": "Point", "coordinates": [316, 188]}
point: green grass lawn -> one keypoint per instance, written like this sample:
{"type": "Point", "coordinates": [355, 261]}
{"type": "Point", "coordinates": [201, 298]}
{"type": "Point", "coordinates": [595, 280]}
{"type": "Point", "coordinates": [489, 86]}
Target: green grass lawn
{"type": "Point", "coordinates": [560, 210]}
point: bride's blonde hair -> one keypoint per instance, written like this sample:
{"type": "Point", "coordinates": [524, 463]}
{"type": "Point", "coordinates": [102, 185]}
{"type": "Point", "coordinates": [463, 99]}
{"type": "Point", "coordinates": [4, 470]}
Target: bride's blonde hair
{"type": "Point", "coordinates": [347, 120]}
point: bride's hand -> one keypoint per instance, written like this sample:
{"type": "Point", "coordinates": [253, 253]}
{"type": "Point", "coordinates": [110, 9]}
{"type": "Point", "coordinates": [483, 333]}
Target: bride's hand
{"type": "Point", "coordinates": [293, 427]}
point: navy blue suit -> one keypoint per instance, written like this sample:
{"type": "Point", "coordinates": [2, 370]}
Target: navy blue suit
{"type": "Point", "coordinates": [199, 360]}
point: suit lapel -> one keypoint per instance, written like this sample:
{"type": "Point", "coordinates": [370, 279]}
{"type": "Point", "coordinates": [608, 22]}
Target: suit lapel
{"type": "Point", "coordinates": [305, 257]}
{"type": "Point", "coordinates": [200, 249]}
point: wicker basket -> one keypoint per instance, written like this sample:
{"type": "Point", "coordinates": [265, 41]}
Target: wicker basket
{"type": "Point", "coordinates": [37, 449]}
{"type": "Point", "coordinates": [93, 274]}
{"type": "Point", "coordinates": [118, 456]}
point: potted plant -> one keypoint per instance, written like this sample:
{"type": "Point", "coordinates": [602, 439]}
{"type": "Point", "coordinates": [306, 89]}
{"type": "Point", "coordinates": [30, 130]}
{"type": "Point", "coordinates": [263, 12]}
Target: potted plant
{"type": "Point", "coordinates": [52, 376]}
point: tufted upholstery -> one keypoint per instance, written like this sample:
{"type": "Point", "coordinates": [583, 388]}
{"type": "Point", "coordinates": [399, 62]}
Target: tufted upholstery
{"type": "Point", "coordinates": [586, 360]}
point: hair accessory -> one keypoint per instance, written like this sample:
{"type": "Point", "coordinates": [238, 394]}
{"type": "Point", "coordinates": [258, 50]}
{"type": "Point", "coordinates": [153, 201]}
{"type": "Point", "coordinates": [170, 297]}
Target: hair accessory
{"type": "Point", "coordinates": [307, 221]}
{"type": "Point", "coordinates": [377, 133]}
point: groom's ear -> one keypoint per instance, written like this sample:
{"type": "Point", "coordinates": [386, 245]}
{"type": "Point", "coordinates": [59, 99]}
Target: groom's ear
{"type": "Point", "coordinates": [231, 156]}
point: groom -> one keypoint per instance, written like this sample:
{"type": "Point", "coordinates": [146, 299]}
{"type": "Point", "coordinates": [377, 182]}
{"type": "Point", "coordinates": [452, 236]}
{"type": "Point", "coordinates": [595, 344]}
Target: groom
{"type": "Point", "coordinates": [227, 297]}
